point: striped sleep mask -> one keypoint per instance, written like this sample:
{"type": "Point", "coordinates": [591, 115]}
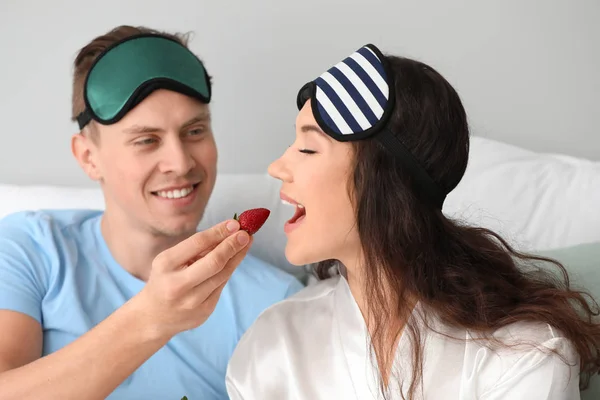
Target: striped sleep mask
{"type": "Point", "coordinates": [353, 101]}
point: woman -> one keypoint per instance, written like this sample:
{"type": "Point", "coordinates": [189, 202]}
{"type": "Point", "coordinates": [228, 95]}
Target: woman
{"type": "Point", "coordinates": [411, 305]}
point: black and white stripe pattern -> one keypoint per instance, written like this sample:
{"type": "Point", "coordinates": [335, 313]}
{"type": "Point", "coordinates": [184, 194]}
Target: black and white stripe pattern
{"type": "Point", "coordinates": [352, 95]}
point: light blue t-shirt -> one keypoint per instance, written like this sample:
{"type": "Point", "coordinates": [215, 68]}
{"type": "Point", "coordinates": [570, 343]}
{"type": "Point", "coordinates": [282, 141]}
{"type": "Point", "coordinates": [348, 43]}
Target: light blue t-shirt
{"type": "Point", "coordinates": [56, 267]}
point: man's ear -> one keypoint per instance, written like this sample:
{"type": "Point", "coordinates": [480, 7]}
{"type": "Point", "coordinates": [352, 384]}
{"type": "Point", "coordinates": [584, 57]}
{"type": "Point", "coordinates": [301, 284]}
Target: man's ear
{"type": "Point", "coordinates": [85, 152]}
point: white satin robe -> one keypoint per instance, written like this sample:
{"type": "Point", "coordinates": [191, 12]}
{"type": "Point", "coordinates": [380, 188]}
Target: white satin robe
{"type": "Point", "coordinates": [313, 346]}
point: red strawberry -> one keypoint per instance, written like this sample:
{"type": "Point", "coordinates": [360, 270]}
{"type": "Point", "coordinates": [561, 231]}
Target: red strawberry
{"type": "Point", "coordinates": [252, 220]}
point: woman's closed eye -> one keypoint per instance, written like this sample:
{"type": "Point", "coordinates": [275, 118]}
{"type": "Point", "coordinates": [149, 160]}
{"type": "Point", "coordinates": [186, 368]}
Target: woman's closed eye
{"type": "Point", "coordinates": [307, 151]}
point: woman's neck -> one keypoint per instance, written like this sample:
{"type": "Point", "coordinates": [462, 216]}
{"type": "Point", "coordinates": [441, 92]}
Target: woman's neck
{"type": "Point", "coordinates": [357, 284]}
{"type": "Point", "coordinates": [385, 340]}
{"type": "Point", "coordinates": [357, 288]}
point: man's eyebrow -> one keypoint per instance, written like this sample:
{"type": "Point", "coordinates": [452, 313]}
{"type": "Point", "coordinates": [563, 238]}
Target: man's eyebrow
{"type": "Point", "coordinates": [137, 129]}
{"type": "Point", "coordinates": [202, 117]}
{"type": "Point", "coordinates": [142, 129]}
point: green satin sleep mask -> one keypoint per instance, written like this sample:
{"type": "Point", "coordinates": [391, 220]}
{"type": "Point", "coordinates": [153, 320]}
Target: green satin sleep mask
{"type": "Point", "coordinates": [128, 71]}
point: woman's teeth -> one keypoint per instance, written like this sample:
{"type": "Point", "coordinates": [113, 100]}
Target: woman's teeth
{"type": "Point", "coordinates": [292, 204]}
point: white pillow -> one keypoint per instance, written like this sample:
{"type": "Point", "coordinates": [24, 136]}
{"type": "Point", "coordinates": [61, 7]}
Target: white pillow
{"type": "Point", "coordinates": [536, 200]}
{"type": "Point", "coordinates": [15, 198]}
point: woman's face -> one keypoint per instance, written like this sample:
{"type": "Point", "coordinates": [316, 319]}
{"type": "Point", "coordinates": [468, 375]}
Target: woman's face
{"type": "Point", "coordinates": [315, 172]}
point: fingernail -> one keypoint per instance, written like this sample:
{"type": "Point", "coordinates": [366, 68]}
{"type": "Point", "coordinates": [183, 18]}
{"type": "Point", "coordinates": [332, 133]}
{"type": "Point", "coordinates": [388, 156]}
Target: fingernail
{"type": "Point", "coordinates": [232, 226]}
{"type": "Point", "coordinates": [243, 238]}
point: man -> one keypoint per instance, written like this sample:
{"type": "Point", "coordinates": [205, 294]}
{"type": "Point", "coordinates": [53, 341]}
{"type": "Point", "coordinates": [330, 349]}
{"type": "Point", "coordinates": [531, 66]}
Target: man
{"type": "Point", "coordinates": [131, 303]}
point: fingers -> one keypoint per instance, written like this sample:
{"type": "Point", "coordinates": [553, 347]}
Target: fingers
{"type": "Point", "coordinates": [221, 277]}
{"type": "Point", "coordinates": [199, 243]}
{"type": "Point", "coordinates": [211, 289]}
{"type": "Point", "coordinates": [216, 261]}
{"type": "Point", "coordinates": [213, 298]}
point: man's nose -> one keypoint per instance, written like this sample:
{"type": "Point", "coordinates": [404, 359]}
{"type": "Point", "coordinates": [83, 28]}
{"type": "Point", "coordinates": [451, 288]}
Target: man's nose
{"type": "Point", "coordinates": [177, 158]}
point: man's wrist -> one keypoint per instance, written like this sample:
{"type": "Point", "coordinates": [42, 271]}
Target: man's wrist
{"type": "Point", "coordinates": [148, 329]}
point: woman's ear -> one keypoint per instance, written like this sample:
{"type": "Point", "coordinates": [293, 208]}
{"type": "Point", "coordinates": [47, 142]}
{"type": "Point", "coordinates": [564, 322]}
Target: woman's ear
{"type": "Point", "coordinates": [85, 151]}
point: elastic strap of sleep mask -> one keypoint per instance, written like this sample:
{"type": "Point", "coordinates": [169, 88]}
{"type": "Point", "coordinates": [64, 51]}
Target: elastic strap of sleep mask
{"type": "Point", "coordinates": [354, 99]}
{"type": "Point", "coordinates": [128, 71]}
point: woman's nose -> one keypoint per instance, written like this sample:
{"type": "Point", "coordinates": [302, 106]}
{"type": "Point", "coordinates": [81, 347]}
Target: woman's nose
{"type": "Point", "coordinates": [278, 170]}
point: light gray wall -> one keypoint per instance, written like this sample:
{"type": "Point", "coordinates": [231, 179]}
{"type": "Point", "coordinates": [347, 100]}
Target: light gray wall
{"type": "Point", "coordinates": [528, 71]}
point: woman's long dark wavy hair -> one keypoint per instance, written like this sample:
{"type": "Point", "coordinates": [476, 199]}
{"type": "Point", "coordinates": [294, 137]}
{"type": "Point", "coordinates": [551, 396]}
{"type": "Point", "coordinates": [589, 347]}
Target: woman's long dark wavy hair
{"type": "Point", "coordinates": [469, 277]}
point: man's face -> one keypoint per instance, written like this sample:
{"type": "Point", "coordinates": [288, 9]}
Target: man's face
{"type": "Point", "coordinates": [157, 166]}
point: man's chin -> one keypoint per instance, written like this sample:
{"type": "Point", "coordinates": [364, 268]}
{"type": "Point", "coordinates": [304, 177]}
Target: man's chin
{"type": "Point", "coordinates": [175, 232]}
{"type": "Point", "coordinates": [176, 226]}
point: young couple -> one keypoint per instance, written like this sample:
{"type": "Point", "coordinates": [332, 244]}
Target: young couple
{"type": "Point", "coordinates": [132, 302]}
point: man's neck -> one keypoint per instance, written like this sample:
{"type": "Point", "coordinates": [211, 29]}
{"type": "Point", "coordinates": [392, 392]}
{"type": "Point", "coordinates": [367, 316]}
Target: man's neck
{"type": "Point", "coordinates": [134, 249]}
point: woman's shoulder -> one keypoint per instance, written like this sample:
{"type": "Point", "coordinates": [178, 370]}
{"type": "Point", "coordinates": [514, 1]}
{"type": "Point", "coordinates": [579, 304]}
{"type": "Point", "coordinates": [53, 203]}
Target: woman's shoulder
{"type": "Point", "coordinates": [294, 312]}
{"type": "Point", "coordinates": [285, 327]}
{"type": "Point", "coordinates": [528, 330]}
{"type": "Point", "coordinates": [526, 356]}
{"type": "Point", "coordinates": [522, 339]}
{"type": "Point", "coordinates": [304, 303]}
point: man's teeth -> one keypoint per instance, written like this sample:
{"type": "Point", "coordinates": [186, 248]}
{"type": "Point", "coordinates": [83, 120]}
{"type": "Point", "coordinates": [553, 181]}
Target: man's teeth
{"type": "Point", "coordinates": [175, 194]}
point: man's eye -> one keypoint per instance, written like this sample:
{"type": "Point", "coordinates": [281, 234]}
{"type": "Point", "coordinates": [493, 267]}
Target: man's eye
{"type": "Point", "coordinates": [196, 132]}
{"type": "Point", "coordinates": [145, 141]}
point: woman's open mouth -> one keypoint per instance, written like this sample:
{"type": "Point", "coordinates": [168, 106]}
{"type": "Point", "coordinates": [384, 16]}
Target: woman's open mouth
{"type": "Point", "coordinates": [297, 218]}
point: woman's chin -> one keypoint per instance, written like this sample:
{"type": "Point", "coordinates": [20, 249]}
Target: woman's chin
{"type": "Point", "coordinates": [296, 259]}
{"type": "Point", "coordinates": [300, 257]}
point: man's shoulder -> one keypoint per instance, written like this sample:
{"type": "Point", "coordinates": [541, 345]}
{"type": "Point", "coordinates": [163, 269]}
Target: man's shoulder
{"type": "Point", "coordinates": [56, 217]}
{"type": "Point", "coordinates": [36, 251]}
{"type": "Point", "coordinates": [41, 226]}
